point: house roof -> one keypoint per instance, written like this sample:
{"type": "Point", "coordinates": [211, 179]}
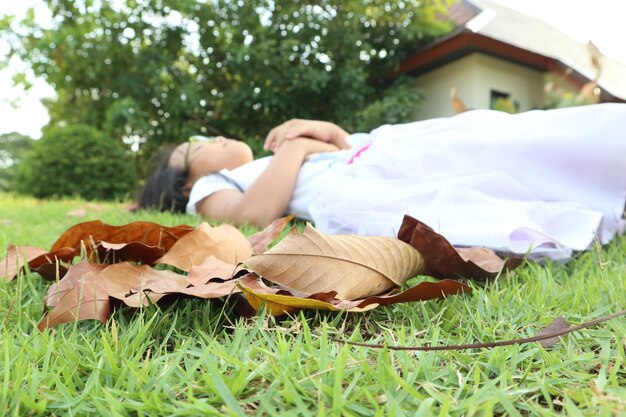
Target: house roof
{"type": "Point", "coordinates": [488, 27]}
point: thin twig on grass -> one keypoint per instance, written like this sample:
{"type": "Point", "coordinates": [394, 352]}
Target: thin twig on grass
{"type": "Point", "coordinates": [537, 338]}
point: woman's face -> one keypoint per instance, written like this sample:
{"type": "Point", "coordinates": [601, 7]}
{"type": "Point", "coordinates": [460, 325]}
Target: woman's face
{"type": "Point", "coordinates": [203, 158]}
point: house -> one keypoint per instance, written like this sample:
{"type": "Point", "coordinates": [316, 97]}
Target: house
{"type": "Point", "coordinates": [496, 52]}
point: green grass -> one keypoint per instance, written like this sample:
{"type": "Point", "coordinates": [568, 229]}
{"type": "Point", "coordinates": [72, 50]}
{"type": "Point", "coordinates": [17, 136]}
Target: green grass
{"type": "Point", "coordinates": [198, 358]}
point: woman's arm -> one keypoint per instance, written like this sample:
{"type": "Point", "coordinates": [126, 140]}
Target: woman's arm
{"type": "Point", "coordinates": [268, 197]}
{"type": "Point", "coordinates": [313, 129]}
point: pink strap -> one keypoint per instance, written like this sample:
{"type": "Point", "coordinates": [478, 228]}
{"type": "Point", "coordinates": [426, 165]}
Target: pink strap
{"type": "Point", "coordinates": [358, 153]}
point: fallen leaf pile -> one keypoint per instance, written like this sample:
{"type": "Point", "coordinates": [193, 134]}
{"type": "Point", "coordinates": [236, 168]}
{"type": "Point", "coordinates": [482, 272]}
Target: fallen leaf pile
{"type": "Point", "coordinates": [117, 265]}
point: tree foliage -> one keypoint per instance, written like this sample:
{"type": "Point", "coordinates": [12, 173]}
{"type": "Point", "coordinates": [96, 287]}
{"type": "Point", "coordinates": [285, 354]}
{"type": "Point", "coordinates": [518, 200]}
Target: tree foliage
{"type": "Point", "coordinates": [76, 161]}
{"type": "Point", "coordinates": [161, 70]}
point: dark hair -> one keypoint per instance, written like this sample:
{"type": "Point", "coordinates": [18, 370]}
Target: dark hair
{"type": "Point", "coordinates": [164, 188]}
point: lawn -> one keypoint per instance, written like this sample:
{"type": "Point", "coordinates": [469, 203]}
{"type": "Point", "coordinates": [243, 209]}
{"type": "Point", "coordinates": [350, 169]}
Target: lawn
{"type": "Point", "coordinates": [198, 358]}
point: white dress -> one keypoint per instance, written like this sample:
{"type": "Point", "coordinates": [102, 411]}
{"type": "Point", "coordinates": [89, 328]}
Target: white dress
{"type": "Point", "coordinates": [542, 183]}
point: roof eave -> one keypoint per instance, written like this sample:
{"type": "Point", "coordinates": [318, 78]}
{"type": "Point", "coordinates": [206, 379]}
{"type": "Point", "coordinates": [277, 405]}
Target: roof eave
{"type": "Point", "coordinates": [463, 41]}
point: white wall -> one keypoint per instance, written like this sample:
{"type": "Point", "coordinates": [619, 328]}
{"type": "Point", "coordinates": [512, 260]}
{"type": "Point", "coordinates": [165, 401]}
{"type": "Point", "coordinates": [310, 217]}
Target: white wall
{"type": "Point", "coordinates": [475, 76]}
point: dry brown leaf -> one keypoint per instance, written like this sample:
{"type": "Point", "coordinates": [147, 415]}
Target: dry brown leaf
{"type": "Point", "coordinates": [225, 242]}
{"type": "Point", "coordinates": [134, 284]}
{"type": "Point", "coordinates": [210, 268]}
{"type": "Point", "coordinates": [133, 251]}
{"type": "Point", "coordinates": [353, 266]}
{"type": "Point", "coordinates": [77, 272]}
{"type": "Point", "coordinates": [161, 284]}
{"type": "Point", "coordinates": [38, 260]}
{"type": "Point", "coordinates": [92, 232]}
{"type": "Point", "coordinates": [87, 300]}
{"type": "Point", "coordinates": [50, 263]}
{"type": "Point", "coordinates": [142, 299]}
{"type": "Point", "coordinates": [558, 324]}
{"type": "Point", "coordinates": [442, 260]}
{"type": "Point", "coordinates": [262, 239]}
{"type": "Point", "coordinates": [52, 271]}
{"type": "Point", "coordinates": [17, 257]}
{"type": "Point", "coordinates": [212, 289]}
{"type": "Point", "coordinates": [124, 279]}
{"type": "Point", "coordinates": [164, 282]}
{"type": "Point", "coordinates": [61, 254]}
{"type": "Point", "coordinates": [254, 282]}
{"type": "Point", "coordinates": [423, 291]}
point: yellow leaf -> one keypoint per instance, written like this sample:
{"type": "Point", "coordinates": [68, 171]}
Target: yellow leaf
{"type": "Point", "coordinates": [277, 304]}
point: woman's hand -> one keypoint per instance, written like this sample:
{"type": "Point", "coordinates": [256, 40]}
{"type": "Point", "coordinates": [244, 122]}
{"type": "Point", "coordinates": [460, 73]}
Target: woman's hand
{"type": "Point", "coordinates": [313, 146]}
{"type": "Point", "coordinates": [311, 129]}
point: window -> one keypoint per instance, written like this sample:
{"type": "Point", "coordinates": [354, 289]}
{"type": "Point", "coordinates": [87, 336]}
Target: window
{"type": "Point", "coordinates": [503, 102]}
{"type": "Point", "coordinates": [495, 96]}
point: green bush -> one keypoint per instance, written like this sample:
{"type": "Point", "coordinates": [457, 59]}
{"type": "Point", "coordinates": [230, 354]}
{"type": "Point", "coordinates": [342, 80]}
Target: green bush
{"type": "Point", "coordinates": [76, 161]}
{"type": "Point", "coordinates": [13, 148]}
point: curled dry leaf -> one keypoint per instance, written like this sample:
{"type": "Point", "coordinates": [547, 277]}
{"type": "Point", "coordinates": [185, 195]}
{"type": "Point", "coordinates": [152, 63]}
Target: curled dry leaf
{"type": "Point", "coordinates": [210, 268]}
{"type": "Point", "coordinates": [52, 271]}
{"type": "Point", "coordinates": [278, 301]}
{"type": "Point", "coordinates": [48, 264]}
{"type": "Point", "coordinates": [140, 285]}
{"type": "Point", "coordinates": [353, 266]}
{"type": "Point", "coordinates": [163, 282]}
{"type": "Point", "coordinates": [423, 291]}
{"type": "Point", "coordinates": [74, 275]}
{"type": "Point", "coordinates": [133, 251]}
{"type": "Point", "coordinates": [487, 260]}
{"type": "Point", "coordinates": [142, 299]}
{"type": "Point", "coordinates": [17, 257]}
{"type": "Point", "coordinates": [38, 260]}
{"type": "Point", "coordinates": [125, 279]}
{"type": "Point", "coordinates": [212, 289]}
{"type": "Point", "coordinates": [224, 242]}
{"type": "Point", "coordinates": [442, 260]}
{"type": "Point", "coordinates": [87, 300]}
{"type": "Point", "coordinates": [92, 232]}
{"type": "Point", "coordinates": [206, 291]}
{"type": "Point", "coordinates": [261, 240]}
{"type": "Point", "coordinates": [134, 285]}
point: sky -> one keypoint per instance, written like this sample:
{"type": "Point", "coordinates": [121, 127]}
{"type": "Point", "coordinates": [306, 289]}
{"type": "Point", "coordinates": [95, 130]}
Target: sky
{"type": "Point", "coordinates": [601, 21]}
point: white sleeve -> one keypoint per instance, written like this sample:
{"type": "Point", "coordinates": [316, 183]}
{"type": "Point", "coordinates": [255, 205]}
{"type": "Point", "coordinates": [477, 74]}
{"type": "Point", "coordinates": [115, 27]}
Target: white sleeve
{"type": "Point", "coordinates": [359, 140]}
{"type": "Point", "coordinates": [206, 186]}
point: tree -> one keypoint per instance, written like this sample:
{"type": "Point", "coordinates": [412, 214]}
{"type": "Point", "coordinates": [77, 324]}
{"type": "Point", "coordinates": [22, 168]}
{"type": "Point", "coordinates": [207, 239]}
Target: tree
{"type": "Point", "coordinates": [161, 70]}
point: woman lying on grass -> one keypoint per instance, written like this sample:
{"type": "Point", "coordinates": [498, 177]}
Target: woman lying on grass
{"type": "Point", "coordinates": [540, 182]}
